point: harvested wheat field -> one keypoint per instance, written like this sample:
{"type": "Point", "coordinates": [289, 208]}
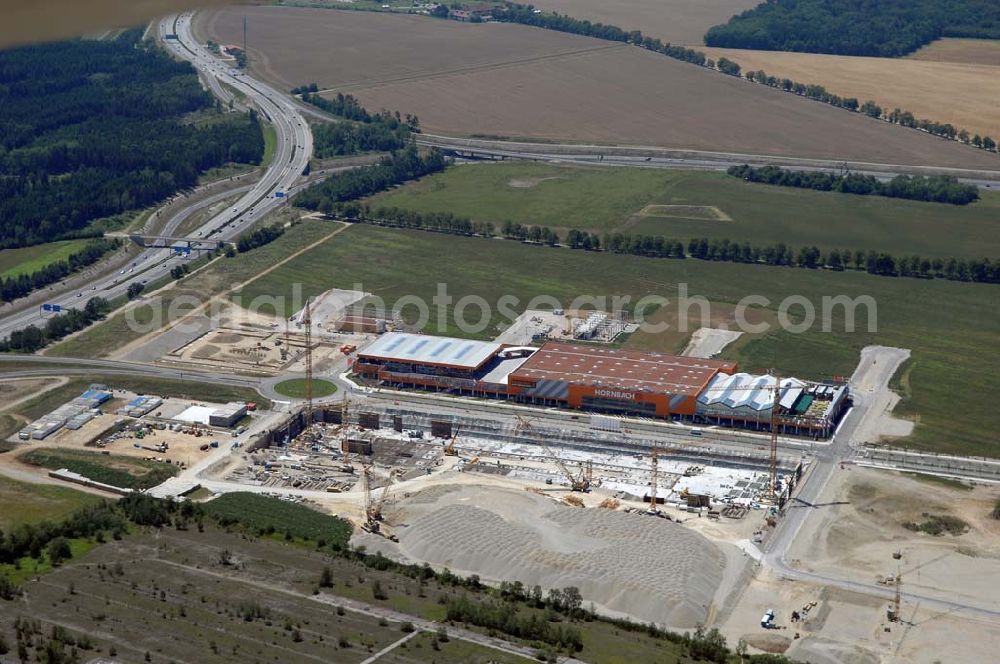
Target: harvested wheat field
{"type": "Point", "coordinates": [650, 568]}
{"type": "Point", "coordinates": [968, 51]}
{"type": "Point", "coordinates": [676, 21]}
{"type": "Point", "coordinates": [516, 81]}
{"type": "Point", "coordinates": [963, 94]}
{"type": "Point", "coordinates": [349, 49]}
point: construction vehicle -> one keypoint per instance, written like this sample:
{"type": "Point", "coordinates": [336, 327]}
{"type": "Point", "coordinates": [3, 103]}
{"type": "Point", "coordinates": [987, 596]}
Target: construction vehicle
{"type": "Point", "coordinates": [449, 449]}
{"type": "Point", "coordinates": [374, 506]}
{"type": "Point", "coordinates": [580, 482]}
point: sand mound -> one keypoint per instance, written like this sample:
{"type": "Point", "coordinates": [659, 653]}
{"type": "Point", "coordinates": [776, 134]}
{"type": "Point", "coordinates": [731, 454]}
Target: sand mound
{"type": "Point", "coordinates": [646, 567]}
{"type": "Point", "coordinates": [772, 643]}
{"type": "Point", "coordinates": [528, 183]}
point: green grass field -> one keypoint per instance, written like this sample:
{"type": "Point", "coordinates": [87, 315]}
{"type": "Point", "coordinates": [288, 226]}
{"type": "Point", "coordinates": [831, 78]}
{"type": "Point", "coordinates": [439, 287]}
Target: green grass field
{"type": "Point", "coordinates": [265, 513]}
{"type": "Point", "coordinates": [25, 260]}
{"type": "Point", "coordinates": [608, 199]}
{"type": "Point", "coordinates": [270, 145]}
{"type": "Point", "coordinates": [227, 171]}
{"type": "Point", "coordinates": [116, 470]}
{"type": "Point", "coordinates": [28, 503]}
{"type": "Point", "coordinates": [295, 388]}
{"type": "Point", "coordinates": [949, 326]}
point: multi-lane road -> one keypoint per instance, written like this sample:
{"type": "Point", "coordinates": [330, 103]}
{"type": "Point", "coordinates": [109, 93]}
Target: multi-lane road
{"type": "Point", "coordinates": [283, 173]}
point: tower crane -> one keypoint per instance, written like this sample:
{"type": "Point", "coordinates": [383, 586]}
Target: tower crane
{"type": "Point", "coordinates": [307, 321]}
{"type": "Point", "coordinates": [345, 408]}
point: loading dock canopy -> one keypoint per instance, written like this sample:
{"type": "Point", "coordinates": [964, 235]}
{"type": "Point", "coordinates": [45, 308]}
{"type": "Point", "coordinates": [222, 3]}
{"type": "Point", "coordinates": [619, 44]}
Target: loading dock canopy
{"type": "Point", "coordinates": [428, 350]}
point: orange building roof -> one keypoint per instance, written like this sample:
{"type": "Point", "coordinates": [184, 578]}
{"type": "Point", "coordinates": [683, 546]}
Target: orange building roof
{"type": "Point", "coordinates": [616, 368]}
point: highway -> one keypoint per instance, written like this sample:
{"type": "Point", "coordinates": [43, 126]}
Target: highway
{"type": "Point", "coordinates": [639, 156]}
{"type": "Point", "coordinates": [292, 153]}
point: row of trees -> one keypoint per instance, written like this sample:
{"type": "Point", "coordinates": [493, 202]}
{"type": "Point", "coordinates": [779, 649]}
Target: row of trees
{"type": "Point", "coordinates": [526, 15]}
{"type": "Point", "coordinates": [658, 246]}
{"type": "Point", "coordinates": [12, 288]}
{"type": "Point", "coordinates": [259, 237]}
{"type": "Point", "coordinates": [887, 28]}
{"type": "Point", "coordinates": [33, 338]}
{"type": "Point", "coordinates": [937, 189]}
{"type": "Point", "coordinates": [869, 108]}
{"type": "Point", "coordinates": [92, 128]}
{"type": "Point", "coordinates": [396, 168]}
{"type": "Point", "coordinates": [393, 217]}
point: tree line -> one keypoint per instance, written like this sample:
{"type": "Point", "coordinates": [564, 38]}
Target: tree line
{"type": "Point", "coordinates": [33, 338]}
{"type": "Point", "coordinates": [869, 108]}
{"type": "Point", "coordinates": [658, 246]}
{"type": "Point", "coordinates": [395, 168]}
{"type": "Point", "coordinates": [936, 189]}
{"type": "Point", "coordinates": [505, 617]}
{"type": "Point", "coordinates": [349, 108]}
{"type": "Point", "coordinates": [525, 14]}
{"type": "Point", "coordinates": [12, 288]}
{"type": "Point", "coordinates": [887, 28]}
{"type": "Point", "coordinates": [92, 128]}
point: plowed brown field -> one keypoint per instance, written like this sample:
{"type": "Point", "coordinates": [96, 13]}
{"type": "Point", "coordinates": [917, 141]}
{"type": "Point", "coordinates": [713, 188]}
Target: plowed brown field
{"type": "Point", "coordinates": [515, 81]}
{"type": "Point", "coordinates": [676, 21]}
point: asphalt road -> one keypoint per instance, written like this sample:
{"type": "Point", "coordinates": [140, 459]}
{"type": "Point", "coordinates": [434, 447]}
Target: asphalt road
{"type": "Point", "coordinates": [48, 366]}
{"type": "Point", "coordinates": [659, 157]}
{"type": "Point", "coordinates": [293, 151]}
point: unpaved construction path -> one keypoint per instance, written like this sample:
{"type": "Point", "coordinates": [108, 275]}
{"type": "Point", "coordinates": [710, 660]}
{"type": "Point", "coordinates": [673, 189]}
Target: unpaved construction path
{"type": "Point", "coordinates": [707, 342]}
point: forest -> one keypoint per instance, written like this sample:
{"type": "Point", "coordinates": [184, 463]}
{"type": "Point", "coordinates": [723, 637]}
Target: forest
{"type": "Point", "coordinates": [365, 132]}
{"type": "Point", "coordinates": [887, 28]}
{"type": "Point", "coordinates": [90, 129]}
